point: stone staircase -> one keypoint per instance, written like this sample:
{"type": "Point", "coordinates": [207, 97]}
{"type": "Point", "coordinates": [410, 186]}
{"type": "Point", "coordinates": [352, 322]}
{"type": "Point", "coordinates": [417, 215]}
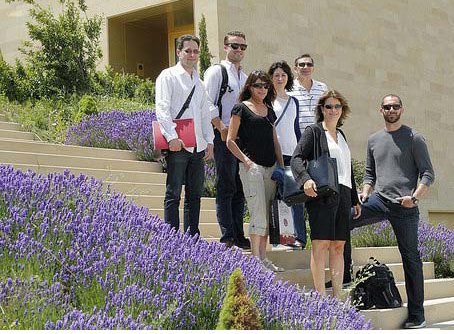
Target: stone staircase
{"type": "Point", "coordinates": [144, 184]}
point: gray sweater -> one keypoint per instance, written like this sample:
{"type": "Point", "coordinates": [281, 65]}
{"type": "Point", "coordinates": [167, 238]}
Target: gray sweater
{"type": "Point", "coordinates": [396, 161]}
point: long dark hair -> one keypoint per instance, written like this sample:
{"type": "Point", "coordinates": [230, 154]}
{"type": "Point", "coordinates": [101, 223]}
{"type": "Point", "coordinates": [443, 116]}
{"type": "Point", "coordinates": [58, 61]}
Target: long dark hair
{"type": "Point", "coordinates": [286, 68]}
{"type": "Point", "coordinates": [252, 78]}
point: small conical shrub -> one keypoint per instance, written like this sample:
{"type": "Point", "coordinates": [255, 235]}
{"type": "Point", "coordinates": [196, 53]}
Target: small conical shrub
{"type": "Point", "coordinates": [238, 311]}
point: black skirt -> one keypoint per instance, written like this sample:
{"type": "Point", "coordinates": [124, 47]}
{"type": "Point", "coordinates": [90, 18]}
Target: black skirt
{"type": "Point", "coordinates": [329, 217]}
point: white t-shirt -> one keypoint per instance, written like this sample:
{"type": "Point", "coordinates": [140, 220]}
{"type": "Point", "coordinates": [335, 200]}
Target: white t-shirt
{"type": "Point", "coordinates": [341, 152]}
{"type": "Point", "coordinates": [286, 127]}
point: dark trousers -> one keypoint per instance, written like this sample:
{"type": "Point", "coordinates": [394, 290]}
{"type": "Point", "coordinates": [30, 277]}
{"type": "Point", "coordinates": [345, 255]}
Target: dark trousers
{"type": "Point", "coordinates": [188, 168]}
{"type": "Point", "coordinates": [229, 192]}
{"type": "Point", "coordinates": [404, 222]}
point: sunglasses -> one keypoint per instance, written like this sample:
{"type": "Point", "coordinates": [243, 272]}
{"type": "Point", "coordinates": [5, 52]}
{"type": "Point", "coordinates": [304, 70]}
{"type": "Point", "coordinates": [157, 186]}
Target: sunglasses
{"type": "Point", "coordinates": [335, 106]}
{"type": "Point", "coordinates": [261, 85]}
{"type": "Point", "coordinates": [235, 46]}
{"type": "Point", "coordinates": [188, 51]}
{"type": "Point", "coordinates": [388, 107]}
{"type": "Point", "coordinates": [303, 65]}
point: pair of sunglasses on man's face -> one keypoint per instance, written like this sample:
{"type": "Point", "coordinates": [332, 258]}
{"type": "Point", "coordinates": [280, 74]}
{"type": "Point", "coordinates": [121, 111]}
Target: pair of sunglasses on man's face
{"type": "Point", "coordinates": [235, 46]}
{"type": "Point", "coordinates": [261, 85]}
{"type": "Point", "coordinates": [388, 107]}
{"type": "Point", "coordinates": [303, 65]}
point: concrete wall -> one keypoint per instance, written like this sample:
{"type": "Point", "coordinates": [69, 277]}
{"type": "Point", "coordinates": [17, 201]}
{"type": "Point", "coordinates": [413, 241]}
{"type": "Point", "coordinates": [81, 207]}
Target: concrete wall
{"type": "Point", "coordinates": [366, 49]}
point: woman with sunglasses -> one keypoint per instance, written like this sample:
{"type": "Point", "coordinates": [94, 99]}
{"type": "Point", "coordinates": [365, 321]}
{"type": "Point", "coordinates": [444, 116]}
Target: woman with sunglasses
{"type": "Point", "coordinates": [258, 150]}
{"type": "Point", "coordinates": [329, 217]}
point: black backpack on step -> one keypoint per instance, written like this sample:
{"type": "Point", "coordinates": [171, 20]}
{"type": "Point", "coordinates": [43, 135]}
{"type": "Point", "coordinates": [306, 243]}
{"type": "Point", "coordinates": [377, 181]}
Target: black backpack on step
{"type": "Point", "coordinates": [376, 287]}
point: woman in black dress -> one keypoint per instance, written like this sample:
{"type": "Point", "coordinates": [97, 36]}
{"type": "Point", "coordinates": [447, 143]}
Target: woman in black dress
{"type": "Point", "coordinates": [329, 217]}
{"type": "Point", "coordinates": [258, 150]}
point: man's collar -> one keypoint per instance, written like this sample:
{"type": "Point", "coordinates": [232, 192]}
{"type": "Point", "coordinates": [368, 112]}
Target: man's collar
{"type": "Point", "coordinates": [229, 64]}
{"type": "Point", "coordinates": [180, 70]}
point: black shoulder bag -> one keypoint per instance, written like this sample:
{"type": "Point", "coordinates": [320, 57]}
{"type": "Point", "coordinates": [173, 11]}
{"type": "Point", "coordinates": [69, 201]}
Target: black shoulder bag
{"type": "Point", "coordinates": [323, 171]}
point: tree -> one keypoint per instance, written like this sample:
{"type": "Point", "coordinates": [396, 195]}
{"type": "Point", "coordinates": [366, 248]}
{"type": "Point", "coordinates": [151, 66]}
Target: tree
{"type": "Point", "coordinates": [64, 48]}
{"type": "Point", "coordinates": [205, 55]}
{"type": "Point", "coordinates": [238, 311]}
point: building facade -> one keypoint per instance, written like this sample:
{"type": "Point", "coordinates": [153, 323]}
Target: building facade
{"type": "Point", "coordinates": [363, 48]}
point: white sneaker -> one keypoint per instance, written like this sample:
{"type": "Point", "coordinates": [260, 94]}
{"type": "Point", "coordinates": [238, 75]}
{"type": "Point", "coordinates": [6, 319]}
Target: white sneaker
{"type": "Point", "coordinates": [271, 266]}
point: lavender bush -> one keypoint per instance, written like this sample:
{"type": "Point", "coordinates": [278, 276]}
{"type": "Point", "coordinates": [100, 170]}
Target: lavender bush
{"type": "Point", "coordinates": [210, 179]}
{"type": "Point", "coordinates": [127, 131]}
{"type": "Point", "coordinates": [435, 243]}
{"type": "Point", "coordinates": [116, 130]}
{"type": "Point", "coordinates": [73, 257]}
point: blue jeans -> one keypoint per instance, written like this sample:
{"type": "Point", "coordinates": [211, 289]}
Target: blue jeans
{"type": "Point", "coordinates": [229, 192]}
{"type": "Point", "coordinates": [188, 168]}
{"type": "Point", "coordinates": [404, 222]}
{"type": "Point", "coordinates": [297, 210]}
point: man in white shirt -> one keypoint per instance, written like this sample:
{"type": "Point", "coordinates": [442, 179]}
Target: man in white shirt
{"type": "Point", "coordinates": [184, 164]}
{"type": "Point", "coordinates": [306, 89]}
{"type": "Point", "coordinates": [229, 190]}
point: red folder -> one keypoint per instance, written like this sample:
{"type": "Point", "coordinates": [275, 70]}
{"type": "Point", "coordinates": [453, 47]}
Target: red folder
{"type": "Point", "coordinates": [184, 129]}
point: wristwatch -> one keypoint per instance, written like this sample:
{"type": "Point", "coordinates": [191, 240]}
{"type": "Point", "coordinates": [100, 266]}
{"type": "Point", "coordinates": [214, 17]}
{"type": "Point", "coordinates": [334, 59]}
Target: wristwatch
{"type": "Point", "coordinates": [414, 200]}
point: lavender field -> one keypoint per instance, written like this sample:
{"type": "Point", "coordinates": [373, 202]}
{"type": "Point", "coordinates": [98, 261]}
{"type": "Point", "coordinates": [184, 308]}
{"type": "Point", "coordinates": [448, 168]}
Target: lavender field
{"type": "Point", "coordinates": [73, 257]}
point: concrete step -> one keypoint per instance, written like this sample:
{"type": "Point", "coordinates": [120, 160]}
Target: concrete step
{"type": "Point", "coordinates": [102, 174]}
{"type": "Point", "coordinates": [16, 134]}
{"type": "Point", "coordinates": [10, 157]}
{"type": "Point", "coordinates": [206, 216]}
{"type": "Point", "coordinates": [445, 325]}
{"type": "Point", "coordinates": [303, 277]}
{"type": "Point", "coordinates": [49, 148]}
{"type": "Point", "coordinates": [294, 259]}
{"type": "Point", "coordinates": [433, 289]}
{"type": "Point", "coordinates": [10, 126]}
{"type": "Point", "coordinates": [137, 188]}
{"type": "Point", "coordinates": [435, 311]}
{"type": "Point", "coordinates": [158, 202]}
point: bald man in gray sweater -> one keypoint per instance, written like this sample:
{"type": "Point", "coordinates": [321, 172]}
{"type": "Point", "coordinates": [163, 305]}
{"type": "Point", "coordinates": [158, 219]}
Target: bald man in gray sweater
{"type": "Point", "coordinates": [398, 174]}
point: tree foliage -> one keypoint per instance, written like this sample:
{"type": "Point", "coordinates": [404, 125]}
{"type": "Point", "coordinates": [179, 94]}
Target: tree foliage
{"type": "Point", "coordinates": [238, 311]}
{"type": "Point", "coordinates": [63, 49]}
{"type": "Point", "coordinates": [205, 55]}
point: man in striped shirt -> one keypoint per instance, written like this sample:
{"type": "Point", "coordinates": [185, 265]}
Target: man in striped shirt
{"type": "Point", "coordinates": [306, 90]}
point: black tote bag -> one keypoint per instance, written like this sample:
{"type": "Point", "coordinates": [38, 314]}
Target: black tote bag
{"type": "Point", "coordinates": [323, 171]}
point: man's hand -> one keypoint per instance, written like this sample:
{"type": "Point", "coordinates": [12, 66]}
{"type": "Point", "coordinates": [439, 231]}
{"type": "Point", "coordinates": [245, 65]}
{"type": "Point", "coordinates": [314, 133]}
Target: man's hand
{"type": "Point", "coordinates": [406, 201]}
{"type": "Point", "coordinates": [310, 188]}
{"type": "Point", "coordinates": [176, 145]}
{"type": "Point", "coordinates": [363, 197]}
{"type": "Point", "coordinates": [208, 152]}
{"type": "Point", "coordinates": [357, 211]}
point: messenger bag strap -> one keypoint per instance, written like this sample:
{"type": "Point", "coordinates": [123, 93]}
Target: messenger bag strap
{"type": "Point", "coordinates": [186, 104]}
{"type": "Point", "coordinates": [283, 111]}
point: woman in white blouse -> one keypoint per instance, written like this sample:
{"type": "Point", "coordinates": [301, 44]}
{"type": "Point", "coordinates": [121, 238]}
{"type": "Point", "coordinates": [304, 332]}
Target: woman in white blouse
{"type": "Point", "coordinates": [329, 217]}
{"type": "Point", "coordinates": [288, 133]}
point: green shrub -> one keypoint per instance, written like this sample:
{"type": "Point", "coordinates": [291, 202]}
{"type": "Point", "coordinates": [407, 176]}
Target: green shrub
{"type": "Point", "coordinates": [205, 55]}
{"type": "Point", "coordinates": [7, 80]}
{"type": "Point", "coordinates": [359, 167]}
{"type": "Point", "coordinates": [87, 105]}
{"type": "Point", "coordinates": [238, 312]}
{"type": "Point", "coordinates": [145, 91]}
